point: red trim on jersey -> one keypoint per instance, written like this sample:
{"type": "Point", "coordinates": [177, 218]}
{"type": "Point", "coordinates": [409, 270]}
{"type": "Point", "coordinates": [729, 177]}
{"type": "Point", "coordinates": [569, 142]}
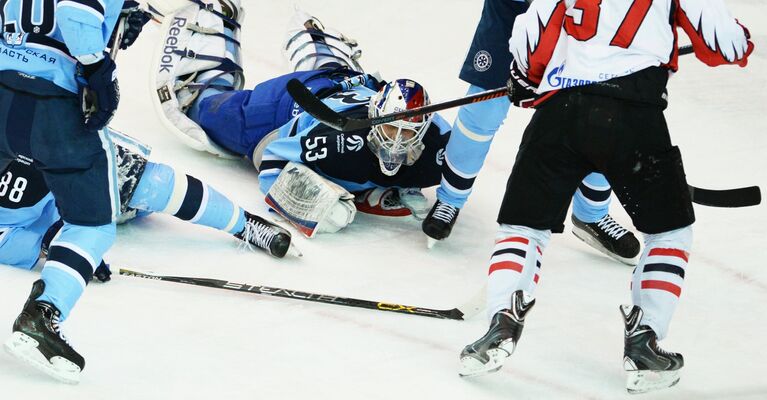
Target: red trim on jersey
{"type": "Point", "coordinates": [516, 239]}
{"type": "Point", "coordinates": [629, 27]}
{"type": "Point", "coordinates": [709, 56]}
{"type": "Point", "coordinates": [505, 265]}
{"type": "Point", "coordinates": [539, 250]}
{"type": "Point", "coordinates": [670, 252]}
{"type": "Point", "coordinates": [538, 58]}
{"type": "Point", "coordinates": [662, 285]}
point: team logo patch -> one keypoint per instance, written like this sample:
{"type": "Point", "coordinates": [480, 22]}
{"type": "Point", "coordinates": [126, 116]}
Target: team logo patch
{"type": "Point", "coordinates": [354, 143]}
{"type": "Point", "coordinates": [482, 61]}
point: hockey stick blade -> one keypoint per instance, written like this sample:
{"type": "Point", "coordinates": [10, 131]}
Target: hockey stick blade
{"type": "Point", "coordinates": [454, 313]}
{"type": "Point", "coordinates": [316, 108]}
{"type": "Point", "coordinates": [728, 198]}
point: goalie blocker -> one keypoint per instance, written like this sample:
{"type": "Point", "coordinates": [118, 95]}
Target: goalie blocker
{"type": "Point", "coordinates": [310, 202]}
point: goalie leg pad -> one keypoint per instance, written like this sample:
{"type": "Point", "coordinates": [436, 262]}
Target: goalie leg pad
{"type": "Point", "coordinates": [310, 202]}
{"type": "Point", "coordinates": [199, 50]}
{"type": "Point", "coordinates": [309, 46]}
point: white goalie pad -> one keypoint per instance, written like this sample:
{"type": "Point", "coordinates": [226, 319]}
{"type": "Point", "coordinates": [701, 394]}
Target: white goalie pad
{"type": "Point", "coordinates": [309, 45]}
{"type": "Point", "coordinates": [192, 42]}
{"type": "Point", "coordinates": [310, 202]}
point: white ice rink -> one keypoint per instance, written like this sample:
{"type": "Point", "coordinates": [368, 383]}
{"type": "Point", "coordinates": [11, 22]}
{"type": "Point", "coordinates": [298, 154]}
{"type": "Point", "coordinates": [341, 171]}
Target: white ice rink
{"type": "Point", "coordinates": [157, 340]}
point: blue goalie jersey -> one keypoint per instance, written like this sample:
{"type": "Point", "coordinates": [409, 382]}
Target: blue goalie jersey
{"type": "Point", "coordinates": [344, 157]}
{"type": "Point", "coordinates": [42, 37]}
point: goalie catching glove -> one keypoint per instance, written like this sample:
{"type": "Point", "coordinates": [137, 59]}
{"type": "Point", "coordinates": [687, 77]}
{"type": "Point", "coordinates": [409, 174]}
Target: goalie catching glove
{"type": "Point", "coordinates": [310, 202]}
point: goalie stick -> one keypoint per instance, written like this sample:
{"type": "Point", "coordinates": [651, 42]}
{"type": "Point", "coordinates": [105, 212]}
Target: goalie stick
{"type": "Point", "coordinates": [454, 313]}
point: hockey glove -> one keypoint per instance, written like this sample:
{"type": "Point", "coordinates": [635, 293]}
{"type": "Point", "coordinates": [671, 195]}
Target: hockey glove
{"type": "Point", "coordinates": [99, 92]}
{"type": "Point", "coordinates": [521, 90]}
{"type": "Point", "coordinates": [103, 273]}
{"type": "Point", "coordinates": [133, 19]}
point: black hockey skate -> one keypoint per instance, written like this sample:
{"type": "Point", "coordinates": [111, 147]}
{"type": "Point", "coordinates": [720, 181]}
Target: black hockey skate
{"type": "Point", "coordinates": [439, 222]}
{"type": "Point", "coordinates": [38, 341]}
{"type": "Point", "coordinates": [266, 235]}
{"type": "Point", "coordinates": [609, 237]}
{"type": "Point", "coordinates": [649, 367]}
{"type": "Point", "coordinates": [488, 354]}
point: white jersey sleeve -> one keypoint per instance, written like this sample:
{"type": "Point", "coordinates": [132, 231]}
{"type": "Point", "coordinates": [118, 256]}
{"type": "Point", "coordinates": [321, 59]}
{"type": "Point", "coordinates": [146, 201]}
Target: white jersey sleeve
{"type": "Point", "coordinates": [565, 43]}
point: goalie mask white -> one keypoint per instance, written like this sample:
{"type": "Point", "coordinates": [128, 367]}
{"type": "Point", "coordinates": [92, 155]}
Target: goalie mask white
{"type": "Point", "coordinates": [398, 142]}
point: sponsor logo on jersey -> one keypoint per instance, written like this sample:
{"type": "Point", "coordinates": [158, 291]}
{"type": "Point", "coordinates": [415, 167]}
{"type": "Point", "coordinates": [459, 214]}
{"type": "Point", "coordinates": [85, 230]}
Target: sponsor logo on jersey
{"type": "Point", "coordinates": [14, 38]}
{"type": "Point", "coordinates": [482, 61]}
{"type": "Point", "coordinates": [440, 156]}
{"type": "Point", "coordinates": [558, 80]}
{"type": "Point", "coordinates": [354, 143]}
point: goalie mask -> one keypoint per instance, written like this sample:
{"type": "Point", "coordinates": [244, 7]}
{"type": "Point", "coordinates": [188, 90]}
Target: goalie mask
{"type": "Point", "coordinates": [398, 142]}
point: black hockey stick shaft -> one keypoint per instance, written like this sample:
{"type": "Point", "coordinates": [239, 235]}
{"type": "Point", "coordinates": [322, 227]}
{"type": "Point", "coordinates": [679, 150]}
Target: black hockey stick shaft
{"type": "Point", "coordinates": [454, 313]}
{"type": "Point", "coordinates": [314, 106]}
{"type": "Point", "coordinates": [727, 198]}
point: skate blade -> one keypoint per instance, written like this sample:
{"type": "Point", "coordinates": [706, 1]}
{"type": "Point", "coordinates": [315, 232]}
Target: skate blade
{"type": "Point", "coordinates": [589, 240]}
{"type": "Point", "coordinates": [430, 242]}
{"type": "Point", "coordinates": [470, 366]}
{"type": "Point", "coordinates": [647, 381]}
{"type": "Point", "coordinates": [294, 251]}
{"type": "Point", "coordinates": [25, 349]}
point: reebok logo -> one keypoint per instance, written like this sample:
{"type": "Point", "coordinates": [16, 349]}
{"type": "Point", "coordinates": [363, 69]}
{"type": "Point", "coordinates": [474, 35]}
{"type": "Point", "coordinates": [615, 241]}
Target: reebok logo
{"type": "Point", "coordinates": [171, 40]}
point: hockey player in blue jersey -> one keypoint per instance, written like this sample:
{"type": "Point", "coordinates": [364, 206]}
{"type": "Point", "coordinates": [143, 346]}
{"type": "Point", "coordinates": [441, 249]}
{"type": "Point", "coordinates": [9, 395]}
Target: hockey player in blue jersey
{"type": "Point", "coordinates": [306, 169]}
{"type": "Point", "coordinates": [486, 67]}
{"type": "Point", "coordinates": [58, 89]}
{"type": "Point", "coordinates": [30, 220]}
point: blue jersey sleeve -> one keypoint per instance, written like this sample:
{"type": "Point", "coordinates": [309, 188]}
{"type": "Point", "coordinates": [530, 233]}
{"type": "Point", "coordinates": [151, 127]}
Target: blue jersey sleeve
{"type": "Point", "coordinates": [300, 140]}
{"type": "Point", "coordinates": [86, 25]}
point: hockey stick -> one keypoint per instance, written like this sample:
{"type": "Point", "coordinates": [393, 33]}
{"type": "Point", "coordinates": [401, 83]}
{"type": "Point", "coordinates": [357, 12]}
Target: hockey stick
{"type": "Point", "coordinates": [454, 313]}
{"type": "Point", "coordinates": [728, 198]}
{"type": "Point", "coordinates": [316, 108]}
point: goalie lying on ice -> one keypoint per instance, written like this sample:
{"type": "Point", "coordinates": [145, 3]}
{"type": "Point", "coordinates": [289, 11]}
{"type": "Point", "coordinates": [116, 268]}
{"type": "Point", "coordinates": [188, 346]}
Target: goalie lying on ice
{"type": "Point", "coordinates": [306, 170]}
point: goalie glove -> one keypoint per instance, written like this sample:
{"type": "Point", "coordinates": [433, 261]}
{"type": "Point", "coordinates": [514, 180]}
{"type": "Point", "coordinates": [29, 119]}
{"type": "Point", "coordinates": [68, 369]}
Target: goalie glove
{"type": "Point", "coordinates": [521, 90]}
{"type": "Point", "coordinates": [310, 202]}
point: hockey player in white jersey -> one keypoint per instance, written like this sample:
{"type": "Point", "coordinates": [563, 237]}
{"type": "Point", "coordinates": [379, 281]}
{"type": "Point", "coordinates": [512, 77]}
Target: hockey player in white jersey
{"type": "Point", "coordinates": [486, 67]}
{"type": "Point", "coordinates": [597, 73]}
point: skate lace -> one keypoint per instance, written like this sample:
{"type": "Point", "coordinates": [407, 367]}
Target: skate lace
{"type": "Point", "coordinates": [611, 228]}
{"type": "Point", "coordinates": [256, 233]}
{"type": "Point", "coordinates": [55, 321]}
{"type": "Point", "coordinates": [444, 212]}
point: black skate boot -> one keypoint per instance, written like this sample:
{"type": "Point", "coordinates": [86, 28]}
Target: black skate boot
{"type": "Point", "coordinates": [489, 352]}
{"type": "Point", "coordinates": [267, 236]}
{"type": "Point", "coordinates": [609, 237]}
{"type": "Point", "coordinates": [649, 367]}
{"type": "Point", "coordinates": [439, 222]}
{"type": "Point", "coordinates": [38, 341]}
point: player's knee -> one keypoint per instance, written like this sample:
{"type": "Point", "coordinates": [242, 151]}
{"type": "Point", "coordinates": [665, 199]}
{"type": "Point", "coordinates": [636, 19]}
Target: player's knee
{"type": "Point", "coordinates": [540, 236]}
{"type": "Point", "coordinates": [676, 239]}
{"type": "Point", "coordinates": [156, 187]}
{"type": "Point", "coordinates": [481, 120]}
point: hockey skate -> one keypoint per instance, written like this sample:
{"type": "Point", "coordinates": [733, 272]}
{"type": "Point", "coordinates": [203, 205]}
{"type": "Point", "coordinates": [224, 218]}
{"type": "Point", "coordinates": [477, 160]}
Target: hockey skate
{"type": "Point", "coordinates": [488, 354]}
{"type": "Point", "coordinates": [267, 236]}
{"type": "Point", "coordinates": [439, 222]}
{"type": "Point", "coordinates": [649, 367]}
{"type": "Point", "coordinates": [609, 237]}
{"type": "Point", "coordinates": [38, 341]}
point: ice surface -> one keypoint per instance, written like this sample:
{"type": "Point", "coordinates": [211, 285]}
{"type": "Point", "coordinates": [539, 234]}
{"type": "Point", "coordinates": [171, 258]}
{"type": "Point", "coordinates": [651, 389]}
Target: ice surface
{"type": "Point", "coordinates": [156, 340]}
